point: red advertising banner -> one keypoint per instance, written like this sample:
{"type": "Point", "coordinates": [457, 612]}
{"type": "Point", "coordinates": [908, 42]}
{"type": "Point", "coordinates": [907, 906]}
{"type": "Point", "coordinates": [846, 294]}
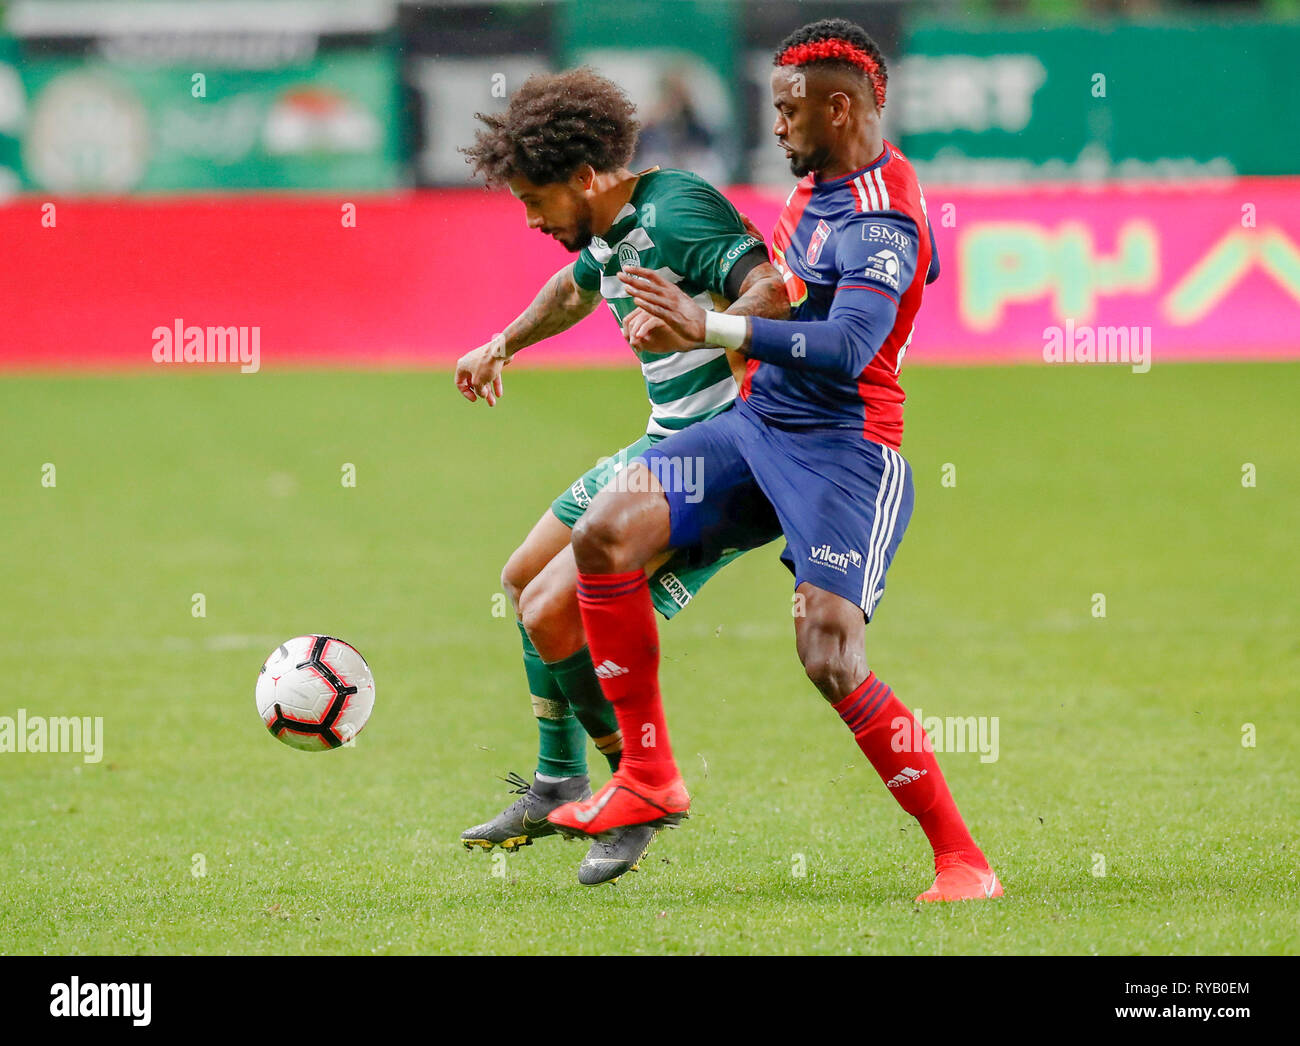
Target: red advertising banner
{"type": "Point", "coordinates": [1209, 271]}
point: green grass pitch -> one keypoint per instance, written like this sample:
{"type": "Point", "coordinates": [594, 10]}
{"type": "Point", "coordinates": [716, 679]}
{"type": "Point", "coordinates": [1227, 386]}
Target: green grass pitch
{"type": "Point", "coordinates": [1120, 745]}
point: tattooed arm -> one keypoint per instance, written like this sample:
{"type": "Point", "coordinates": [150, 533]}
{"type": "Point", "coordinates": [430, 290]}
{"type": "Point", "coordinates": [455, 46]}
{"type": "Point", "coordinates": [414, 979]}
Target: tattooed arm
{"type": "Point", "coordinates": [558, 306]}
{"type": "Point", "coordinates": [669, 321]}
{"type": "Point", "coordinates": [762, 293]}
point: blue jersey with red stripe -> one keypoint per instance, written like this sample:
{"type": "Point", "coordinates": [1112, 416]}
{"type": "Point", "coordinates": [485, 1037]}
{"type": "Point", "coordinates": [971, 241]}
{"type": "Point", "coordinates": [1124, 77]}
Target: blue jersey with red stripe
{"type": "Point", "coordinates": [857, 250]}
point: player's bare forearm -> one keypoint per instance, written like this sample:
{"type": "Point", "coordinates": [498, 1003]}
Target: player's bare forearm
{"type": "Point", "coordinates": [762, 294]}
{"type": "Point", "coordinates": [558, 306]}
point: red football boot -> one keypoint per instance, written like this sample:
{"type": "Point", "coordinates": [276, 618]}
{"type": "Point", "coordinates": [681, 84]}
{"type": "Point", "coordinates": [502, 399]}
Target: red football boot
{"type": "Point", "coordinates": [622, 802]}
{"type": "Point", "coordinates": [957, 881]}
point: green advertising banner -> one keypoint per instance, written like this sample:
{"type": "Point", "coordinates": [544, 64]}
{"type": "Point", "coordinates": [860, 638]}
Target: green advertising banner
{"type": "Point", "coordinates": [327, 119]}
{"type": "Point", "coordinates": [1138, 101]}
{"type": "Point", "coordinates": [677, 62]}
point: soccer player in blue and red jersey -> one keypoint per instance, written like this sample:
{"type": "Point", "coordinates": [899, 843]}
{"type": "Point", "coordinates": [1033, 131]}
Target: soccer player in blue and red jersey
{"type": "Point", "coordinates": [810, 451]}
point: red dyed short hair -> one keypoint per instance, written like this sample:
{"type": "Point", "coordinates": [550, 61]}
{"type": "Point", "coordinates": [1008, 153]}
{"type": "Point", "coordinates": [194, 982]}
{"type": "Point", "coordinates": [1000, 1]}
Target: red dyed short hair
{"type": "Point", "coordinates": [837, 40]}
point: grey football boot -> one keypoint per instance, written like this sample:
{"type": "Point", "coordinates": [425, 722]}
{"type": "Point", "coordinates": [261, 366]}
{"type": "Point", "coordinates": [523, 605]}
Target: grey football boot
{"type": "Point", "coordinates": [608, 859]}
{"type": "Point", "coordinates": [525, 819]}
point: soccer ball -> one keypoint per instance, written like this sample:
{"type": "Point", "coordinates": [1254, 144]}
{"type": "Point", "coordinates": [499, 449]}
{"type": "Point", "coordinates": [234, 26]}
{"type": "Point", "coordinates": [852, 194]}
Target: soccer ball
{"type": "Point", "coordinates": [315, 693]}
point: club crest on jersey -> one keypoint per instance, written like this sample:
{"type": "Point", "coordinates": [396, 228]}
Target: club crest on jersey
{"type": "Point", "coordinates": [819, 237]}
{"type": "Point", "coordinates": [885, 267]}
{"type": "Point", "coordinates": [628, 255]}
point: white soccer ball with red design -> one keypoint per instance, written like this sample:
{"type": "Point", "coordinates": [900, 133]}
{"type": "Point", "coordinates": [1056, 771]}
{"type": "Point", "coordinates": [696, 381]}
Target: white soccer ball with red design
{"type": "Point", "coordinates": [315, 693]}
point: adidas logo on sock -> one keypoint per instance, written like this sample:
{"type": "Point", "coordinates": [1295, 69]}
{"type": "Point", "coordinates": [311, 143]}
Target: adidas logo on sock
{"type": "Point", "coordinates": [905, 776]}
{"type": "Point", "coordinates": [608, 670]}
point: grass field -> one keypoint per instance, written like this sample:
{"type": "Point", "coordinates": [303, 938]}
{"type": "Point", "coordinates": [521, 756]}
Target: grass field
{"type": "Point", "coordinates": [1119, 736]}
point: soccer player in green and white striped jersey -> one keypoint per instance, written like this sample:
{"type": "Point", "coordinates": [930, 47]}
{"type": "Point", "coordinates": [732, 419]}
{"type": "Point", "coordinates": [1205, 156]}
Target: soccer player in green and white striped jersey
{"type": "Point", "coordinates": [562, 147]}
{"type": "Point", "coordinates": [679, 225]}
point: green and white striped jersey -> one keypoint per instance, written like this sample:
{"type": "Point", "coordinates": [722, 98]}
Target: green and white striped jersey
{"type": "Point", "coordinates": [681, 226]}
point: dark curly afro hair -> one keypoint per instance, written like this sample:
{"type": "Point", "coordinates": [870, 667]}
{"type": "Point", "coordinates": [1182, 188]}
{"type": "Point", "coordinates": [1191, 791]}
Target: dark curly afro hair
{"type": "Point", "coordinates": [555, 123]}
{"type": "Point", "coordinates": [837, 42]}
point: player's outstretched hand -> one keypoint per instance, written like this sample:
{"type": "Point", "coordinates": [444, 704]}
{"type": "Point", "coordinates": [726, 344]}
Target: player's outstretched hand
{"type": "Point", "coordinates": [655, 295]}
{"type": "Point", "coordinates": [651, 334]}
{"type": "Point", "coordinates": [478, 374]}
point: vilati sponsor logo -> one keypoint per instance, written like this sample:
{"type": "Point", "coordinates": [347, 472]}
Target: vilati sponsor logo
{"type": "Point", "coordinates": [906, 776]}
{"type": "Point", "coordinates": [74, 999]}
{"type": "Point", "coordinates": [608, 670]}
{"type": "Point", "coordinates": [841, 561]}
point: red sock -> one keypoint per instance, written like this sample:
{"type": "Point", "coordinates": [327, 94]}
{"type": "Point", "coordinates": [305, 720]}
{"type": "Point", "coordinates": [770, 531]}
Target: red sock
{"type": "Point", "coordinates": [897, 746]}
{"type": "Point", "coordinates": [619, 619]}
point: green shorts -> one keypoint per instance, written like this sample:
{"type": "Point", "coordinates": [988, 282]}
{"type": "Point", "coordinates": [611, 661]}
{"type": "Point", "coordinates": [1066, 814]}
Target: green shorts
{"type": "Point", "coordinates": [675, 583]}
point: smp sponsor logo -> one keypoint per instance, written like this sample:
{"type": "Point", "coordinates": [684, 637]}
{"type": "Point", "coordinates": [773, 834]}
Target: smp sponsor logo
{"type": "Point", "coordinates": [886, 235]}
{"type": "Point", "coordinates": [841, 561]}
{"type": "Point", "coordinates": [580, 495]}
{"type": "Point", "coordinates": [819, 237]}
{"type": "Point", "coordinates": [74, 999]}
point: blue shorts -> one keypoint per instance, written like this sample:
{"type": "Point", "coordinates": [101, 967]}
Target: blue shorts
{"type": "Point", "coordinates": [841, 501]}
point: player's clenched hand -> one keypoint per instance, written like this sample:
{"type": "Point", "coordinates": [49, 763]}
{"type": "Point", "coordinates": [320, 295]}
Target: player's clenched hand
{"type": "Point", "coordinates": [651, 334]}
{"type": "Point", "coordinates": [478, 373]}
{"type": "Point", "coordinates": [661, 299]}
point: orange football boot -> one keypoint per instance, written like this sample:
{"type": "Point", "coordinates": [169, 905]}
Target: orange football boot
{"type": "Point", "coordinates": [957, 881]}
{"type": "Point", "coordinates": [622, 802]}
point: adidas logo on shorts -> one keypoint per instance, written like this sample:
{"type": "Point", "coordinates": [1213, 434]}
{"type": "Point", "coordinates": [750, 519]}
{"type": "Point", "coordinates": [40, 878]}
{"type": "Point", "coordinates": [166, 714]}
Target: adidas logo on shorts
{"type": "Point", "coordinates": [905, 776]}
